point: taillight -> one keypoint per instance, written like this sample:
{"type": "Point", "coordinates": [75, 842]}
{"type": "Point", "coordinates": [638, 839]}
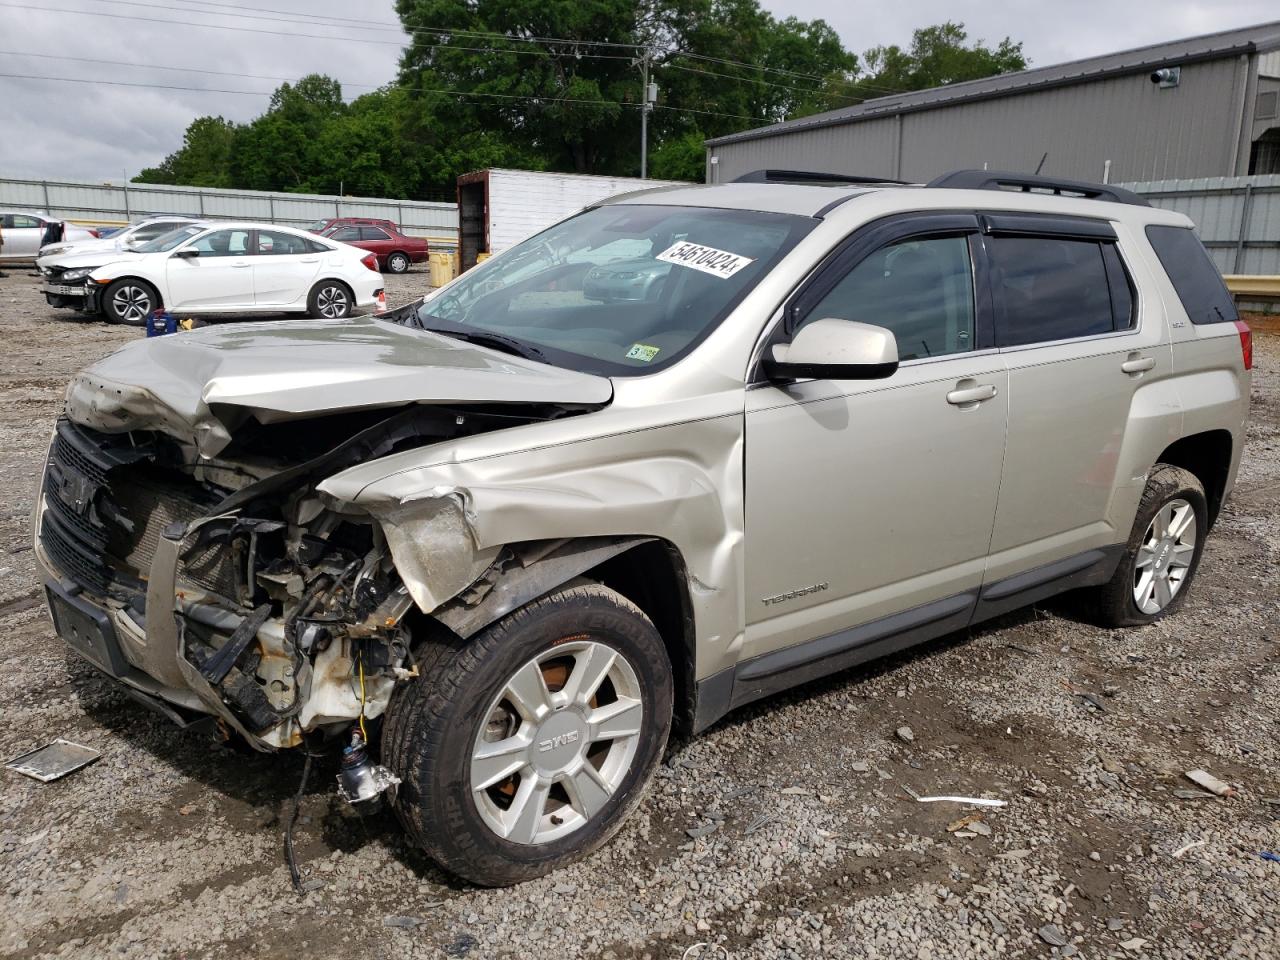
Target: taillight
{"type": "Point", "coordinates": [96, 234]}
{"type": "Point", "coordinates": [1246, 344]}
{"type": "Point", "coordinates": [371, 262]}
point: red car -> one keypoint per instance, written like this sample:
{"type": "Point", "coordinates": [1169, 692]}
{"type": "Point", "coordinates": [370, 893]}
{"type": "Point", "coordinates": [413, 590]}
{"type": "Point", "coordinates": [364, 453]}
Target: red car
{"type": "Point", "coordinates": [394, 250]}
{"type": "Point", "coordinates": [320, 226]}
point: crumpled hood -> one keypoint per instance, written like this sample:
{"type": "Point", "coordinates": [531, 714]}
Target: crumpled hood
{"type": "Point", "coordinates": [98, 257]}
{"type": "Point", "coordinates": [199, 386]}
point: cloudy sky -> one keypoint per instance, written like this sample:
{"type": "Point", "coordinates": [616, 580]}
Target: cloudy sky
{"type": "Point", "coordinates": [129, 116]}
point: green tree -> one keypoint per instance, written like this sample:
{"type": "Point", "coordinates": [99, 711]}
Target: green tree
{"type": "Point", "coordinates": [203, 160]}
{"type": "Point", "coordinates": [938, 55]}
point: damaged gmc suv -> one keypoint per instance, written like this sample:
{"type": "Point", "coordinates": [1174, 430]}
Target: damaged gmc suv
{"type": "Point", "coordinates": [687, 448]}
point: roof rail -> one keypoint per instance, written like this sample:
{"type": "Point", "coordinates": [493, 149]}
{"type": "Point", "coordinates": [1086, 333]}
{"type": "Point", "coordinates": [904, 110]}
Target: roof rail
{"type": "Point", "coordinates": [1032, 183]}
{"type": "Point", "coordinates": [806, 176]}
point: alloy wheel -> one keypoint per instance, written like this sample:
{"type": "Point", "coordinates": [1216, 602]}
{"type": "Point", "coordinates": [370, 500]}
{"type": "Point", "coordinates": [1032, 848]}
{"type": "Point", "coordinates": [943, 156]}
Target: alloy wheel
{"type": "Point", "coordinates": [332, 302]}
{"type": "Point", "coordinates": [556, 742]}
{"type": "Point", "coordinates": [131, 304]}
{"type": "Point", "coordinates": [1165, 557]}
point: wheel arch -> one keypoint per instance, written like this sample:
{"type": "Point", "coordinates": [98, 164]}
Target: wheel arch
{"type": "Point", "coordinates": [1207, 455]}
{"type": "Point", "coordinates": [136, 279]}
{"type": "Point", "coordinates": [648, 571]}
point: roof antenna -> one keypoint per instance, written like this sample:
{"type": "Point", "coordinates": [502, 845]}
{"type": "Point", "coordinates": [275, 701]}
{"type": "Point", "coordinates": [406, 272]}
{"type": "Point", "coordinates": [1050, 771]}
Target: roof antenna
{"type": "Point", "coordinates": [1040, 165]}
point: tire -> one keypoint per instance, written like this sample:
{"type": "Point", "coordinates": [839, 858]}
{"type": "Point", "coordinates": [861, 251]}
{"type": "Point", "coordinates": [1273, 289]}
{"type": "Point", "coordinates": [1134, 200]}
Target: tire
{"type": "Point", "coordinates": [130, 302]}
{"type": "Point", "coordinates": [1172, 560]}
{"type": "Point", "coordinates": [466, 698]}
{"type": "Point", "coordinates": [398, 262]}
{"type": "Point", "coordinates": [330, 300]}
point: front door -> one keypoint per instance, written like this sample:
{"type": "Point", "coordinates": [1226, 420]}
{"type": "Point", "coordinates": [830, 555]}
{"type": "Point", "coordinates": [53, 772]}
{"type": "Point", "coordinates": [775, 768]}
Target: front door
{"type": "Point", "coordinates": [869, 498]}
{"type": "Point", "coordinates": [220, 277]}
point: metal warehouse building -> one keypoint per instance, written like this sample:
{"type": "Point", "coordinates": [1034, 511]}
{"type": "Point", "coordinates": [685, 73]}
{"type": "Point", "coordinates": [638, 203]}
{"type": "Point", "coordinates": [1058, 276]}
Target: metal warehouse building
{"type": "Point", "coordinates": [1211, 112]}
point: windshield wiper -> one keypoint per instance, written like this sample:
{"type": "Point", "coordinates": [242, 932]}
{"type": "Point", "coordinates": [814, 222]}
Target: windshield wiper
{"type": "Point", "coordinates": [498, 341]}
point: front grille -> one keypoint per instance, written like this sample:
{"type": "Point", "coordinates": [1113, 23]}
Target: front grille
{"type": "Point", "coordinates": [108, 502]}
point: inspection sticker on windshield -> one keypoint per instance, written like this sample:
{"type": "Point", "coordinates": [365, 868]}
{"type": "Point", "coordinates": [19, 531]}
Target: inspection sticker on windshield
{"type": "Point", "coordinates": [718, 263]}
{"type": "Point", "coordinates": [642, 351]}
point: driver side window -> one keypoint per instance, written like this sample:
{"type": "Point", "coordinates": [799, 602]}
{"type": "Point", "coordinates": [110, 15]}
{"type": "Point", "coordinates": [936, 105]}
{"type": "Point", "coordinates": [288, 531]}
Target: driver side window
{"type": "Point", "coordinates": [920, 288]}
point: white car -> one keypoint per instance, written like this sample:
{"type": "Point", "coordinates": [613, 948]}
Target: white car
{"type": "Point", "coordinates": [234, 268]}
{"type": "Point", "coordinates": [22, 232]}
{"type": "Point", "coordinates": [131, 236]}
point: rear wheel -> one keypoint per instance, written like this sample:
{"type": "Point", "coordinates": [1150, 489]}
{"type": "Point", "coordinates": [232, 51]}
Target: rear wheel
{"type": "Point", "coordinates": [525, 747]}
{"type": "Point", "coordinates": [398, 262]}
{"type": "Point", "coordinates": [130, 302]}
{"type": "Point", "coordinates": [1163, 553]}
{"type": "Point", "coordinates": [330, 300]}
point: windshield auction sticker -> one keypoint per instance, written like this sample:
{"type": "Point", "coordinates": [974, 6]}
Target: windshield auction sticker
{"type": "Point", "coordinates": [718, 263]}
{"type": "Point", "coordinates": [643, 352]}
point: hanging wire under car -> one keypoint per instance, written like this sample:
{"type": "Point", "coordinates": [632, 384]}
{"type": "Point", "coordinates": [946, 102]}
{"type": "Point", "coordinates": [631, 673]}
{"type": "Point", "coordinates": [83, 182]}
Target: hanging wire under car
{"type": "Point", "coordinates": [293, 817]}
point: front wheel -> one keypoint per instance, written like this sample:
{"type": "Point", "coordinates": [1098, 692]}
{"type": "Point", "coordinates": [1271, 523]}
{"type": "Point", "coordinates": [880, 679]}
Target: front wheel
{"type": "Point", "coordinates": [130, 302]}
{"type": "Point", "coordinates": [330, 300]}
{"type": "Point", "coordinates": [525, 747]}
{"type": "Point", "coordinates": [1163, 552]}
{"type": "Point", "coordinates": [397, 263]}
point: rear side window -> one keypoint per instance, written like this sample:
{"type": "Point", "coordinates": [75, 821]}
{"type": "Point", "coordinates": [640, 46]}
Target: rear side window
{"type": "Point", "coordinates": [1057, 288]}
{"type": "Point", "coordinates": [373, 233]}
{"type": "Point", "coordinates": [1199, 285]}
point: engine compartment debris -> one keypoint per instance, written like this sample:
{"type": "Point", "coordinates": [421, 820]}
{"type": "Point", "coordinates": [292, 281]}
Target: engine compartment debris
{"type": "Point", "coordinates": [54, 760]}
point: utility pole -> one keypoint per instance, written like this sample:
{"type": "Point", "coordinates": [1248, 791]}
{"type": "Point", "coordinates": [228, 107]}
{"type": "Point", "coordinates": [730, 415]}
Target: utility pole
{"type": "Point", "coordinates": [649, 96]}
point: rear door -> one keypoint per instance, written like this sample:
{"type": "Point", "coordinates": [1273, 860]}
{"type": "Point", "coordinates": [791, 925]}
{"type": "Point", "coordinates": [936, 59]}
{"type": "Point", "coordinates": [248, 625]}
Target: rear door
{"type": "Point", "coordinates": [377, 240]}
{"type": "Point", "coordinates": [220, 278]}
{"type": "Point", "coordinates": [283, 269]}
{"type": "Point", "coordinates": [1078, 348]}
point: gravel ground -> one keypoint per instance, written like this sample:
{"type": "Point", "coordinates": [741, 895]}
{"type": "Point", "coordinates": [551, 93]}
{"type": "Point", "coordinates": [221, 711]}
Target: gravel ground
{"type": "Point", "coordinates": [170, 846]}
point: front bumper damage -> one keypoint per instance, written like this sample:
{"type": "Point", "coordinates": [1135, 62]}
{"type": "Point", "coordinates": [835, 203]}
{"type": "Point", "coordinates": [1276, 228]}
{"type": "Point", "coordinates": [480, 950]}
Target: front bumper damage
{"type": "Point", "coordinates": [282, 626]}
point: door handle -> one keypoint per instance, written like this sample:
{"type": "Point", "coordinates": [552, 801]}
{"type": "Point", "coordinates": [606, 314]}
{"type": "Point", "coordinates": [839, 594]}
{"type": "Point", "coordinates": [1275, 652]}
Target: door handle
{"type": "Point", "coordinates": [309, 260]}
{"type": "Point", "coordinates": [971, 395]}
{"type": "Point", "coordinates": [1137, 364]}
{"type": "Point", "coordinates": [241, 263]}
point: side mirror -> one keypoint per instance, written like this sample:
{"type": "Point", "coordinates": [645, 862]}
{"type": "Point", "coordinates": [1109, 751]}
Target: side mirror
{"type": "Point", "coordinates": [187, 253]}
{"type": "Point", "coordinates": [835, 349]}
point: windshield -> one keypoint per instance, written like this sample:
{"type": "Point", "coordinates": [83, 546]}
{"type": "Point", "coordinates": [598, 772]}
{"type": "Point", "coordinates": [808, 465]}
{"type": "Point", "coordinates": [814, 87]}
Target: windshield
{"type": "Point", "coordinates": [316, 225]}
{"type": "Point", "coordinates": [167, 241]}
{"type": "Point", "coordinates": [621, 289]}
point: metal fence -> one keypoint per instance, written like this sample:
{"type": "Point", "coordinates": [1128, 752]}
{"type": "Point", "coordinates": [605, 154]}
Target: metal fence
{"type": "Point", "coordinates": [1238, 218]}
{"type": "Point", "coordinates": [101, 204]}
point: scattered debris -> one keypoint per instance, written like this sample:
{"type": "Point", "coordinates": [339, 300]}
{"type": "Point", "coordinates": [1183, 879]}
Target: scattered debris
{"type": "Point", "coordinates": [741, 792]}
{"type": "Point", "coordinates": [762, 820]}
{"type": "Point", "coordinates": [706, 951]}
{"type": "Point", "coordinates": [1096, 857]}
{"type": "Point", "coordinates": [979, 801]}
{"type": "Point", "coordinates": [963, 822]}
{"type": "Point", "coordinates": [980, 828]}
{"type": "Point", "coordinates": [1013, 855]}
{"type": "Point", "coordinates": [1268, 855]}
{"type": "Point", "coordinates": [404, 923]}
{"type": "Point", "coordinates": [315, 883]}
{"type": "Point", "coordinates": [1137, 943]}
{"type": "Point", "coordinates": [1114, 924]}
{"type": "Point", "coordinates": [1088, 697]}
{"type": "Point", "coordinates": [860, 766]}
{"type": "Point", "coordinates": [1027, 650]}
{"type": "Point", "coordinates": [795, 792]}
{"type": "Point", "coordinates": [1211, 783]}
{"type": "Point", "coordinates": [54, 760]}
{"type": "Point", "coordinates": [697, 833]}
{"type": "Point", "coordinates": [1051, 935]}
{"type": "Point", "coordinates": [187, 809]}
{"type": "Point", "coordinates": [1177, 854]}
{"type": "Point", "coordinates": [1113, 766]}
{"type": "Point", "coordinates": [905, 734]}
{"type": "Point", "coordinates": [1192, 795]}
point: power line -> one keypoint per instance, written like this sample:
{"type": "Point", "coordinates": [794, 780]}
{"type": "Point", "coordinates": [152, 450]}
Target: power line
{"type": "Point", "coordinates": [540, 100]}
{"type": "Point", "coordinates": [344, 22]}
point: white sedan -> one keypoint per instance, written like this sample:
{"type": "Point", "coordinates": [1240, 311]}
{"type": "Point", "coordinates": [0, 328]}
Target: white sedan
{"type": "Point", "coordinates": [234, 268]}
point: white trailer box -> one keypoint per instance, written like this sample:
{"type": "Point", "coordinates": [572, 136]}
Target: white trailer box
{"type": "Point", "coordinates": [499, 208]}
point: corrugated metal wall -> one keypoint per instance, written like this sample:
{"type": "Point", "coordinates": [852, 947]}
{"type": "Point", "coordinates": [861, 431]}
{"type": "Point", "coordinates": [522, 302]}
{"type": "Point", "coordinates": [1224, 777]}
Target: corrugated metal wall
{"type": "Point", "coordinates": [1146, 132]}
{"type": "Point", "coordinates": [1238, 218]}
{"type": "Point", "coordinates": [96, 203]}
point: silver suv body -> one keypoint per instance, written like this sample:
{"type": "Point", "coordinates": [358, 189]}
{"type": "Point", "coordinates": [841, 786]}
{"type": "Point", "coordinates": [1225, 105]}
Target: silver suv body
{"type": "Point", "coordinates": [512, 532]}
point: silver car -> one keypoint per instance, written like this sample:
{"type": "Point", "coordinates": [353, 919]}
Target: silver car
{"type": "Point", "coordinates": [22, 232]}
{"type": "Point", "coordinates": [493, 546]}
